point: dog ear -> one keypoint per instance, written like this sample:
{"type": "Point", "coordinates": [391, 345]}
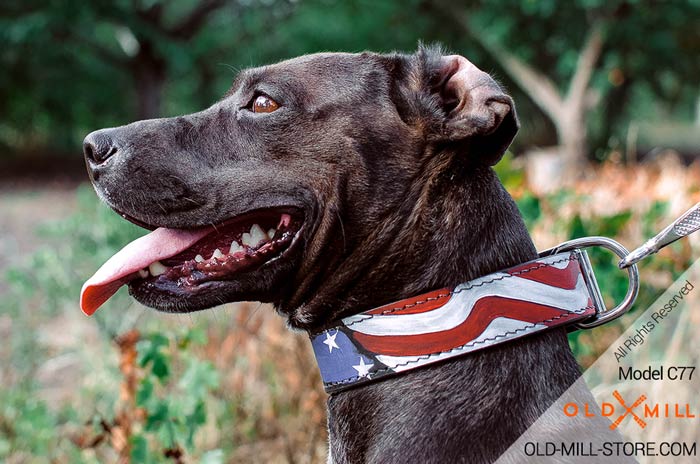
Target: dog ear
{"type": "Point", "coordinates": [453, 103]}
{"type": "Point", "coordinates": [476, 110]}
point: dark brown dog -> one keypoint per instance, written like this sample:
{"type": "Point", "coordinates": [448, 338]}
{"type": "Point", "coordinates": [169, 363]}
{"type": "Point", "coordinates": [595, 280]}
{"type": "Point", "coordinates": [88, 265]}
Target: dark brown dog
{"type": "Point", "coordinates": [375, 172]}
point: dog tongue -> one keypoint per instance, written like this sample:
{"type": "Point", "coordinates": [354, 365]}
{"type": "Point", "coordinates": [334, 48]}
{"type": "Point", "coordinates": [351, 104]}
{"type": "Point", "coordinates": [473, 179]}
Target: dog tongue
{"type": "Point", "coordinates": [120, 269]}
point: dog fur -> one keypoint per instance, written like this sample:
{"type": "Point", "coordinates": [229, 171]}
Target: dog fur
{"type": "Point", "coordinates": [399, 198]}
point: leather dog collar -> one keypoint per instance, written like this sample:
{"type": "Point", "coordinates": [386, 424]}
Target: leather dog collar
{"type": "Point", "coordinates": [539, 295]}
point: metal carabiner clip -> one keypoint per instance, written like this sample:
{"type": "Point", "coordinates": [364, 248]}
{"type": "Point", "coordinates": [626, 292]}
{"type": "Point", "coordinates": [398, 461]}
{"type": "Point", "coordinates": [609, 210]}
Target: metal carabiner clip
{"type": "Point", "coordinates": [603, 314]}
{"type": "Point", "coordinates": [685, 225]}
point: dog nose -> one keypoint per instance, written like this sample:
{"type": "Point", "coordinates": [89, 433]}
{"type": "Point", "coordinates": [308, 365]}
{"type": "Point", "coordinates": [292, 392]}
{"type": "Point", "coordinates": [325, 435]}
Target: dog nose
{"type": "Point", "coordinates": [98, 146]}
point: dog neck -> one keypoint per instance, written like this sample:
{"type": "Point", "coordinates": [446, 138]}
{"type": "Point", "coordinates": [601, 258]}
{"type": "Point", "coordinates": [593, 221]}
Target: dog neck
{"type": "Point", "coordinates": [464, 226]}
{"type": "Point", "coordinates": [451, 233]}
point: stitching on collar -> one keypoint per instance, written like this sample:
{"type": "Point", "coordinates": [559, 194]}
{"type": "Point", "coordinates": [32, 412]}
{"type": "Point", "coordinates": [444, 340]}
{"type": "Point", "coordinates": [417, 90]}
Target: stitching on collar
{"type": "Point", "coordinates": [460, 347]}
{"type": "Point", "coordinates": [366, 317]}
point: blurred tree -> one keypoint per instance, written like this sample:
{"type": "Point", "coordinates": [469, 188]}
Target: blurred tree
{"type": "Point", "coordinates": [581, 69]}
{"type": "Point", "coordinates": [140, 28]}
{"type": "Point", "coordinates": [75, 65]}
{"type": "Point", "coordinates": [568, 56]}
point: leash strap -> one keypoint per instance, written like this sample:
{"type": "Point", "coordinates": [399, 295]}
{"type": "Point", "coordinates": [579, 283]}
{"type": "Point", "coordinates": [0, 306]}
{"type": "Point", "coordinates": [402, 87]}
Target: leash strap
{"type": "Point", "coordinates": [552, 291]}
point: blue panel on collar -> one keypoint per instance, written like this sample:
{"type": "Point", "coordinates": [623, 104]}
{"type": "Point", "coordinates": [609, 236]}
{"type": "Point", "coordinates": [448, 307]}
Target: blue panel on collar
{"type": "Point", "coordinates": [340, 360]}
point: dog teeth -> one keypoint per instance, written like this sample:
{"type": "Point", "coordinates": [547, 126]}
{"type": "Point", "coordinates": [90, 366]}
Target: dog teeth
{"type": "Point", "coordinates": [199, 258]}
{"type": "Point", "coordinates": [271, 233]}
{"type": "Point", "coordinates": [257, 235]}
{"type": "Point", "coordinates": [235, 248]}
{"type": "Point", "coordinates": [157, 268]}
{"type": "Point", "coordinates": [217, 254]}
{"type": "Point", "coordinates": [143, 273]}
{"type": "Point", "coordinates": [247, 240]}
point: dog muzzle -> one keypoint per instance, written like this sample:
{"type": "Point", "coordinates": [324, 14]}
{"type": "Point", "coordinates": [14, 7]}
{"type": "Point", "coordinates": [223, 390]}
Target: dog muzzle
{"type": "Point", "coordinates": [559, 289]}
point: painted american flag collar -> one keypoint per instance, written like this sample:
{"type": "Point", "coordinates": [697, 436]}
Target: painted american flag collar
{"type": "Point", "coordinates": [557, 289]}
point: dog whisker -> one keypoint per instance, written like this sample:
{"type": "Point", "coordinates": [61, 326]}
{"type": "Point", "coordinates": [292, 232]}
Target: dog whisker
{"type": "Point", "coordinates": [162, 208]}
{"type": "Point", "coordinates": [192, 201]}
{"type": "Point", "coordinates": [233, 69]}
{"type": "Point", "coordinates": [342, 228]}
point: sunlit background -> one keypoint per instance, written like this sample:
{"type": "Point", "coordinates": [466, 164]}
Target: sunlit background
{"type": "Point", "coordinates": [608, 94]}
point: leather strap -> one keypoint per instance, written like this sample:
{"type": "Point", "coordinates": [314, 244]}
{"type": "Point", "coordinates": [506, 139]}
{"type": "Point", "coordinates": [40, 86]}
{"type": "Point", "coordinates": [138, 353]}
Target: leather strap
{"type": "Point", "coordinates": [539, 295]}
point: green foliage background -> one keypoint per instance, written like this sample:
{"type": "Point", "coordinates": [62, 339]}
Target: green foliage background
{"type": "Point", "coordinates": [73, 66]}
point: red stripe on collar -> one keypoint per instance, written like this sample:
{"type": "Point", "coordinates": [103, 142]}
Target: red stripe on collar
{"type": "Point", "coordinates": [484, 312]}
{"type": "Point", "coordinates": [415, 305]}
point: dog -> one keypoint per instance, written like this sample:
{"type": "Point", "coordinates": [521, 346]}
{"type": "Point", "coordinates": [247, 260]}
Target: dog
{"type": "Point", "coordinates": [342, 182]}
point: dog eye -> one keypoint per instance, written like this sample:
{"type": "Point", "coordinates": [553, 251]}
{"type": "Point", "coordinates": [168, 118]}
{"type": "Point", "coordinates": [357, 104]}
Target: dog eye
{"type": "Point", "coordinates": [264, 104]}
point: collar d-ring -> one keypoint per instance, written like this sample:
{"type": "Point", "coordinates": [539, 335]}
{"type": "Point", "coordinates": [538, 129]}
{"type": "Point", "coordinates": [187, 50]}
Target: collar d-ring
{"type": "Point", "coordinates": [603, 314]}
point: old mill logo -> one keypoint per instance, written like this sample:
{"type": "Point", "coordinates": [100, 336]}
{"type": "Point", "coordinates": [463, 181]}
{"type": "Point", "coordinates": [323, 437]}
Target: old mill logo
{"type": "Point", "coordinates": [639, 410]}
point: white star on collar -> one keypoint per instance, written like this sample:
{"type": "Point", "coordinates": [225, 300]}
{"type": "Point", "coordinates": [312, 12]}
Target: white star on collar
{"type": "Point", "coordinates": [362, 368]}
{"type": "Point", "coordinates": [330, 341]}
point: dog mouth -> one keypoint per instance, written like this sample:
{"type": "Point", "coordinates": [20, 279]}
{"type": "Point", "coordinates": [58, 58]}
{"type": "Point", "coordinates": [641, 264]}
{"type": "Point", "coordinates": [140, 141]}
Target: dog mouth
{"type": "Point", "coordinates": [187, 262]}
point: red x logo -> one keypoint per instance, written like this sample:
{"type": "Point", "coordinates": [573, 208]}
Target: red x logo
{"type": "Point", "coordinates": [628, 411]}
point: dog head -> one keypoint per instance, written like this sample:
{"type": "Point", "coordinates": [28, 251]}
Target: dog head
{"type": "Point", "coordinates": [302, 164]}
